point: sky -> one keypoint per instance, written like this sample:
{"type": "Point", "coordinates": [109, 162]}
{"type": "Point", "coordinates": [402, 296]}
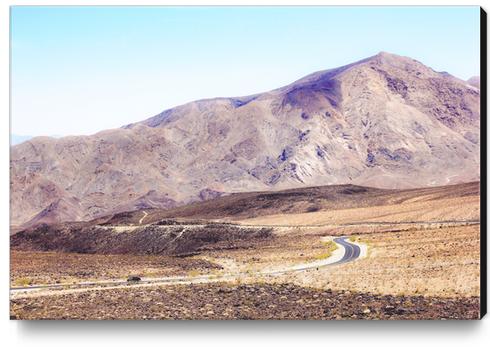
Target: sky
{"type": "Point", "coordinates": [79, 70]}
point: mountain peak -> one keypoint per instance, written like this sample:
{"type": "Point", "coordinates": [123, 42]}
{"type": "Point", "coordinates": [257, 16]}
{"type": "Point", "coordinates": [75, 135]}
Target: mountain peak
{"type": "Point", "coordinates": [392, 59]}
{"type": "Point", "coordinates": [384, 54]}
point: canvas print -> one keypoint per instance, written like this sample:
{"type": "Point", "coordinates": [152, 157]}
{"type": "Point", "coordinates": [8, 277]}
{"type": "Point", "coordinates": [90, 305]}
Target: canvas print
{"type": "Point", "coordinates": [224, 163]}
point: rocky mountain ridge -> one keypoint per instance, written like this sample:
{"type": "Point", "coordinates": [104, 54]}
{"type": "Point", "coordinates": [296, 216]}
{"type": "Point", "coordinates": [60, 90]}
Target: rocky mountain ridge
{"type": "Point", "coordinates": [386, 121]}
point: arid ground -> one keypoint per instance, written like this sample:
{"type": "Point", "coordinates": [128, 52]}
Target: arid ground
{"type": "Point", "coordinates": [242, 257]}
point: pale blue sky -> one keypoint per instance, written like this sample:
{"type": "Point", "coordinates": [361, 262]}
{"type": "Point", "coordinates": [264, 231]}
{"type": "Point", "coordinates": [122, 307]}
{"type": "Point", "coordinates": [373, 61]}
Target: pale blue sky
{"type": "Point", "coordinates": [78, 70]}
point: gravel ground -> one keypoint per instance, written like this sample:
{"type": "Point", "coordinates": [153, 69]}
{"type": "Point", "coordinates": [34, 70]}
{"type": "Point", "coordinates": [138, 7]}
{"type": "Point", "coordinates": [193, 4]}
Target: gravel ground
{"type": "Point", "coordinates": [254, 301]}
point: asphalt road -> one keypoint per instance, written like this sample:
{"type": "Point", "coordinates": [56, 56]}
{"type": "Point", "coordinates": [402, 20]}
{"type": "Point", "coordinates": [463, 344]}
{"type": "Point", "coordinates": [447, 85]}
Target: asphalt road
{"type": "Point", "coordinates": [352, 252]}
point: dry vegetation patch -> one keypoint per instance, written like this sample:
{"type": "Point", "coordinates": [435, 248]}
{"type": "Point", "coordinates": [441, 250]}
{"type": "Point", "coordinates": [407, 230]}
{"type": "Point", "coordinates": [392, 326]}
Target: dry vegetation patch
{"type": "Point", "coordinates": [51, 267]}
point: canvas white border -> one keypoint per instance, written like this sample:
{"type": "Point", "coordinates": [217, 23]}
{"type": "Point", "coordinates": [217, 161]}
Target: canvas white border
{"type": "Point", "coordinates": [201, 334]}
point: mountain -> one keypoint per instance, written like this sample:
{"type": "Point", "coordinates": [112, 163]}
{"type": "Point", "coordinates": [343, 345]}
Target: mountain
{"type": "Point", "coordinates": [386, 121]}
{"type": "Point", "coordinates": [474, 81]}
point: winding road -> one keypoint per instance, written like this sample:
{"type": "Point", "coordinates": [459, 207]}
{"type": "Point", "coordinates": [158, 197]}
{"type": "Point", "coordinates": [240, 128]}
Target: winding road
{"type": "Point", "coordinates": [351, 253]}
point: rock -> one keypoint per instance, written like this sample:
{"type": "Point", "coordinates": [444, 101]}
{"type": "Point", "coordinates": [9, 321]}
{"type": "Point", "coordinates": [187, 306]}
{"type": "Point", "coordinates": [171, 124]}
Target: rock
{"type": "Point", "coordinates": [389, 309]}
{"type": "Point", "coordinates": [401, 311]}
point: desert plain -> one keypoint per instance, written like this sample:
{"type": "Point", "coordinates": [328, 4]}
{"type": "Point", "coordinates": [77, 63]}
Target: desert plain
{"type": "Point", "coordinates": [261, 256]}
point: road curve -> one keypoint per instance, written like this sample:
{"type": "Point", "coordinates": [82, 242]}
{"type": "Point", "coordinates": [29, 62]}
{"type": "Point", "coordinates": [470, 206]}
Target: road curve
{"type": "Point", "coordinates": [351, 253]}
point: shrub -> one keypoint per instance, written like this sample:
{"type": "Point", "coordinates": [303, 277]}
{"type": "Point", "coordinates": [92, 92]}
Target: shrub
{"type": "Point", "coordinates": [193, 273]}
{"type": "Point", "coordinates": [22, 282]}
{"type": "Point", "coordinates": [331, 246]}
